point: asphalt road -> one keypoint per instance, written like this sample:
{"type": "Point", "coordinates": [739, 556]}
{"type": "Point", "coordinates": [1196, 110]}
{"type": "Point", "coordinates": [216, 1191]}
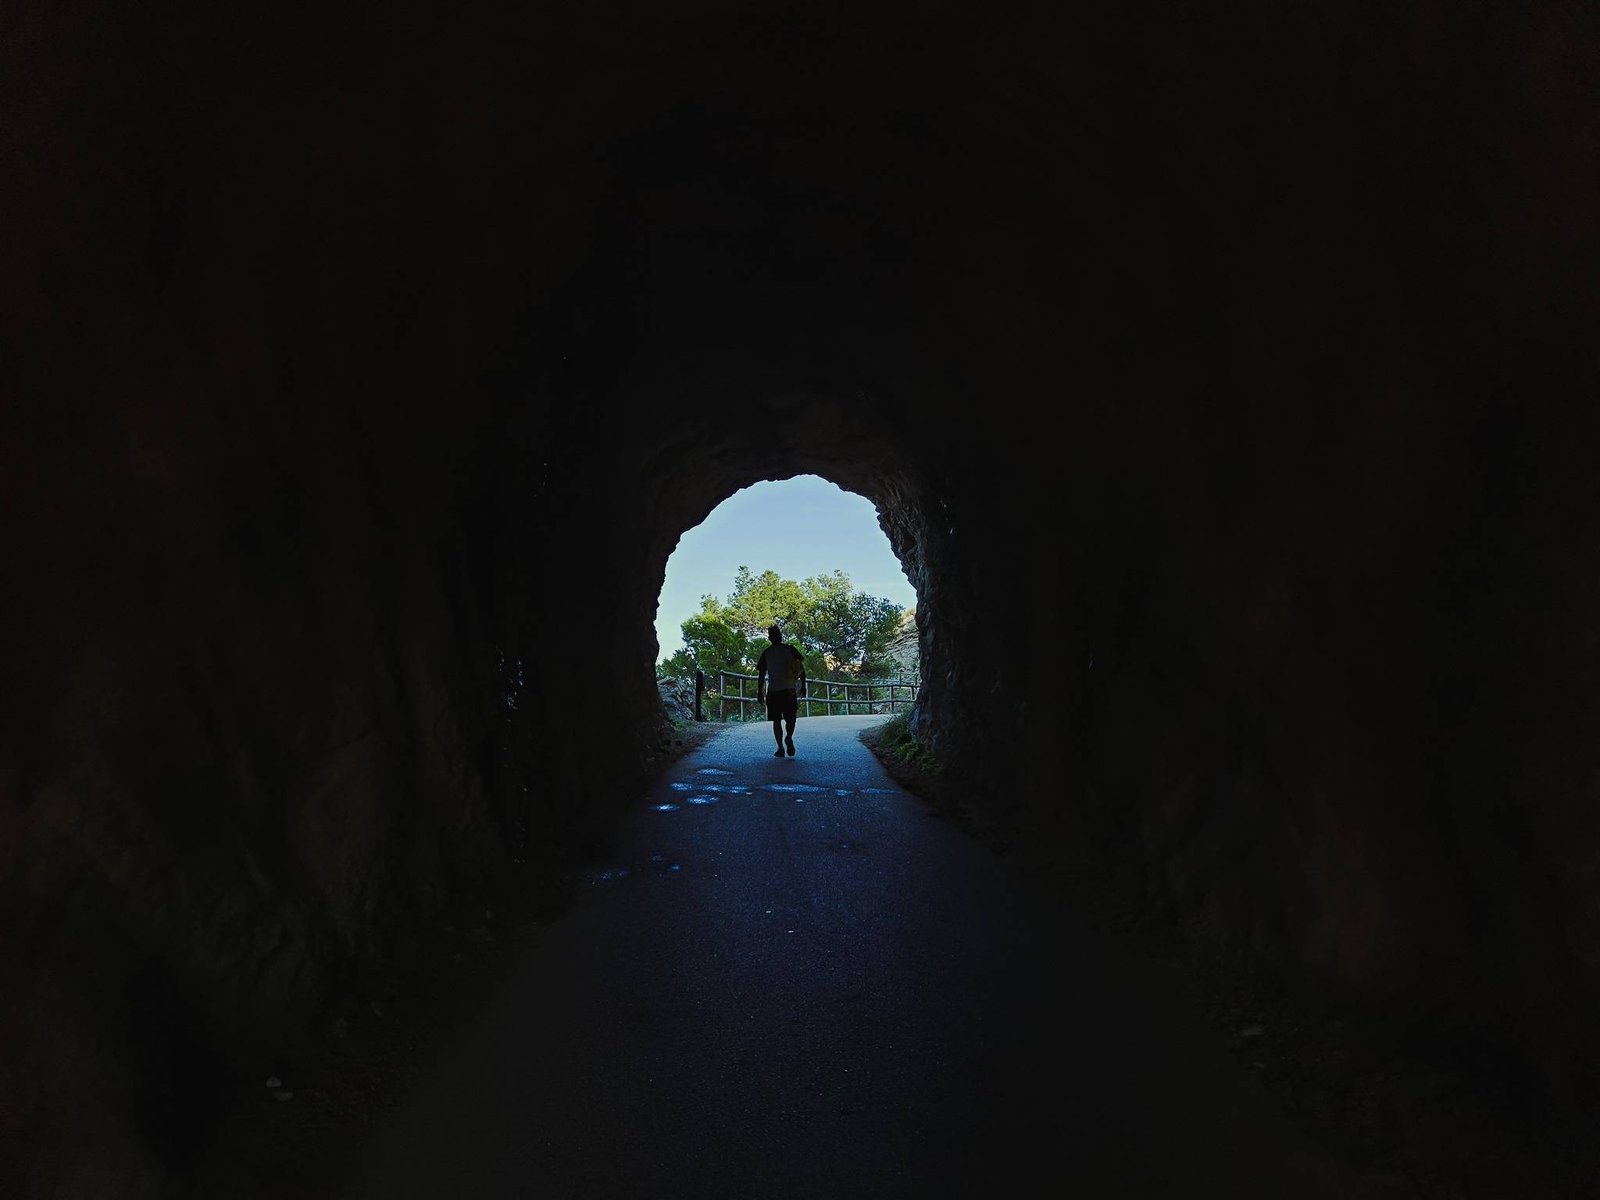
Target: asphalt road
{"type": "Point", "coordinates": [796, 983]}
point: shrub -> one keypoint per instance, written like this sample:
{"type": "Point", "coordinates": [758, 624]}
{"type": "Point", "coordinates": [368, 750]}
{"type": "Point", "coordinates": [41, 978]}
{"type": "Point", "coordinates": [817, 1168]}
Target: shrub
{"type": "Point", "coordinates": [895, 736]}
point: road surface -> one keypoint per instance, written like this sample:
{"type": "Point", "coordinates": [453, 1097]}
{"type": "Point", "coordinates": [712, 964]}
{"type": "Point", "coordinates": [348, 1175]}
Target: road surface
{"type": "Point", "coordinates": [795, 983]}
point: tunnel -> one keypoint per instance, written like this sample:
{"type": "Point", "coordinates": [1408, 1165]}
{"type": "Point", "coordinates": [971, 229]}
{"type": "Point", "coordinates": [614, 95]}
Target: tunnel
{"type": "Point", "coordinates": [1222, 376]}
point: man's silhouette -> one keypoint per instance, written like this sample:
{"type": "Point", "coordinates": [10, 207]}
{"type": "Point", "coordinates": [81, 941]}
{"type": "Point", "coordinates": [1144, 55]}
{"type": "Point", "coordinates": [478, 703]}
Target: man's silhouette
{"type": "Point", "coordinates": [786, 668]}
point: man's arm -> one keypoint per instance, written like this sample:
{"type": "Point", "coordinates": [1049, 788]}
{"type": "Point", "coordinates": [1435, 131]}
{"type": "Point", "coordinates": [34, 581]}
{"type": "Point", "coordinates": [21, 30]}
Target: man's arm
{"type": "Point", "coordinates": [761, 675]}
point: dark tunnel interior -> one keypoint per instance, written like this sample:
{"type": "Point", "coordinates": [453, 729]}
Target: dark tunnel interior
{"type": "Point", "coordinates": [1223, 376]}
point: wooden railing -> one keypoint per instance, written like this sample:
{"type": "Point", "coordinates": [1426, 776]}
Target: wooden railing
{"type": "Point", "coordinates": [855, 699]}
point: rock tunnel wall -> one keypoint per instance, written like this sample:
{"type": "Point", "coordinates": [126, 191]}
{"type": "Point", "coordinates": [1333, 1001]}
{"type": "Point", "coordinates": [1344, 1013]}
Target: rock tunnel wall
{"type": "Point", "coordinates": [1217, 380]}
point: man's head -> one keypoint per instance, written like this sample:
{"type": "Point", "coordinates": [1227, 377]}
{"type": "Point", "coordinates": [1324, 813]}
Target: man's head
{"type": "Point", "coordinates": [775, 634]}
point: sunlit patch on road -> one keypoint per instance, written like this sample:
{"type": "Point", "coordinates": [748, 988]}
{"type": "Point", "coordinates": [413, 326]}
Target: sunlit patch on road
{"type": "Point", "coordinates": [732, 789]}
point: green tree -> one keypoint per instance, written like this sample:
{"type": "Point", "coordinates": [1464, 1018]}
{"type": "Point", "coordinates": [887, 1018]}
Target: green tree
{"type": "Point", "coordinates": [841, 632]}
{"type": "Point", "coordinates": [713, 642]}
{"type": "Point", "coordinates": [854, 631]}
{"type": "Point", "coordinates": [758, 601]}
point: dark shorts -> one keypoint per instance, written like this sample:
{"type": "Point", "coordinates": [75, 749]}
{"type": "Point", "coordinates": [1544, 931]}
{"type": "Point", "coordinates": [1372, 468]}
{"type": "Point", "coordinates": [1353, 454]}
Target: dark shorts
{"type": "Point", "coordinates": [783, 705]}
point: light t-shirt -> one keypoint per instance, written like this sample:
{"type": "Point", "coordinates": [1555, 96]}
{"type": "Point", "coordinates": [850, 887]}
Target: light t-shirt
{"type": "Point", "coordinates": [782, 666]}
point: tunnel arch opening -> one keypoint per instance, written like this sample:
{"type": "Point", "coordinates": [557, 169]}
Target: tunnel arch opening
{"type": "Point", "coordinates": [822, 542]}
{"type": "Point", "coordinates": [865, 441]}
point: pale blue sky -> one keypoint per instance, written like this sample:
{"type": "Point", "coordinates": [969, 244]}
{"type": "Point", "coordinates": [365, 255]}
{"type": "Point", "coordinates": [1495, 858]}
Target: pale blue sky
{"type": "Point", "coordinates": [797, 527]}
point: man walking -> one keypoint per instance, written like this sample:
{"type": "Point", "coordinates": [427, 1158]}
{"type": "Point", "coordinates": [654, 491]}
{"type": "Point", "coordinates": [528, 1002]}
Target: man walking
{"type": "Point", "coordinates": [786, 668]}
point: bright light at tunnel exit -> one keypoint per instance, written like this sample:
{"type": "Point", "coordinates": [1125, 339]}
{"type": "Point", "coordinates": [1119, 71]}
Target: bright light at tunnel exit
{"type": "Point", "coordinates": [797, 528]}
